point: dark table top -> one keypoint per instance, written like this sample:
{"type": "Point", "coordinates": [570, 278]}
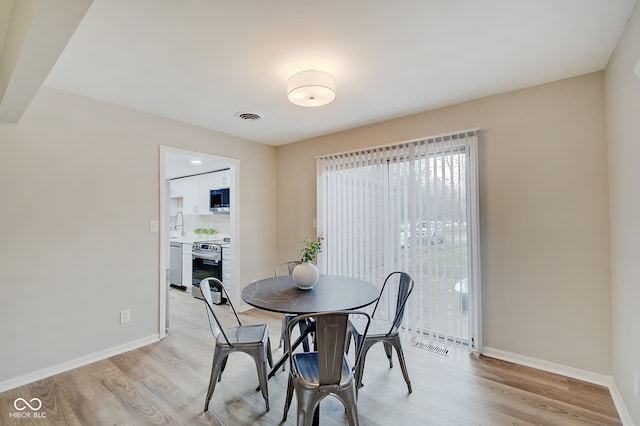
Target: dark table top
{"type": "Point", "coordinates": [330, 293]}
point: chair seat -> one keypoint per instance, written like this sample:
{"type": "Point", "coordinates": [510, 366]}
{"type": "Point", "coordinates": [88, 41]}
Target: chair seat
{"type": "Point", "coordinates": [307, 366]}
{"type": "Point", "coordinates": [378, 327]}
{"type": "Point", "coordinates": [247, 335]}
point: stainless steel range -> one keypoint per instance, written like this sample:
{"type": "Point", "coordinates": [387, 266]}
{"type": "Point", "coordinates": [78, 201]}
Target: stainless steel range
{"type": "Point", "coordinates": [206, 262]}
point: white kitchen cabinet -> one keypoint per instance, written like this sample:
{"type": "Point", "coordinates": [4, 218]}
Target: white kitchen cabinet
{"type": "Point", "coordinates": [185, 189]}
{"type": "Point", "coordinates": [206, 183]}
{"type": "Point", "coordinates": [190, 200]}
{"type": "Point", "coordinates": [195, 190]}
{"type": "Point", "coordinates": [189, 190]}
{"type": "Point", "coordinates": [227, 266]}
{"type": "Point", "coordinates": [176, 188]}
{"type": "Point", "coordinates": [223, 179]}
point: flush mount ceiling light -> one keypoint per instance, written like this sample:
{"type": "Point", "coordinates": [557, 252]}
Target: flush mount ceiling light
{"type": "Point", "coordinates": [311, 88]}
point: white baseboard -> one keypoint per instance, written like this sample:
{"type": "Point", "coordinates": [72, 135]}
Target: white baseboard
{"type": "Point", "coordinates": [563, 370]}
{"type": "Point", "coordinates": [620, 406]}
{"type": "Point", "coordinates": [75, 363]}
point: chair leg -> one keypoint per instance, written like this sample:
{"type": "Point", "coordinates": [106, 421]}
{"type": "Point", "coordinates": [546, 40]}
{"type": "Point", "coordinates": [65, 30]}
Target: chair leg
{"type": "Point", "coordinates": [360, 367]}
{"type": "Point", "coordinates": [388, 349]}
{"type": "Point", "coordinates": [215, 374]}
{"type": "Point", "coordinates": [307, 405]}
{"type": "Point", "coordinates": [222, 367]}
{"type": "Point", "coordinates": [349, 398]}
{"type": "Point", "coordinates": [282, 328]}
{"type": "Point", "coordinates": [403, 364]}
{"type": "Point", "coordinates": [261, 366]}
{"type": "Point", "coordinates": [289, 398]}
{"type": "Point", "coordinates": [269, 355]}
{"type": "Point", "coordinates": [285, 350]}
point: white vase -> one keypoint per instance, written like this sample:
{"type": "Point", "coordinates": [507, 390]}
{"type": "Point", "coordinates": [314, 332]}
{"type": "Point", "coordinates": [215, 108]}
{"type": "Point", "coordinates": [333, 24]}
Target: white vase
{"type": "Point", "coordinates": [305, 275]}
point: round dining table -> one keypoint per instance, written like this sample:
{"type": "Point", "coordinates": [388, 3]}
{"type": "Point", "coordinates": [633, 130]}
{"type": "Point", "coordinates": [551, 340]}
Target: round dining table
{"type": "Point", "coordinates": [331, 293]}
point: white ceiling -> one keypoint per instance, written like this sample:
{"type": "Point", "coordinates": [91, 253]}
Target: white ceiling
{"type": "Point", "coordinates": [180, 165]}
{"type": "Point", "coordinates": [204, 61]}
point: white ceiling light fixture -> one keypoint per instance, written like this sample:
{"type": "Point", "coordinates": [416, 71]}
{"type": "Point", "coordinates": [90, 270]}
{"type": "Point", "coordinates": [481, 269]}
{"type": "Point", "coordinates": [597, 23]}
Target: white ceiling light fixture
{"type": "Point", "coordinates": [311, 88]}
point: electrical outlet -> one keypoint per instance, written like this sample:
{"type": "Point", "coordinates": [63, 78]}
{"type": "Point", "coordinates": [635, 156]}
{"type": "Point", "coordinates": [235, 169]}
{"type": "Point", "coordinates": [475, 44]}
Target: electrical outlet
{"type": "Point", "coordinates": [635, 384]}
{"type": "Point", "coordinates": [125, 316]}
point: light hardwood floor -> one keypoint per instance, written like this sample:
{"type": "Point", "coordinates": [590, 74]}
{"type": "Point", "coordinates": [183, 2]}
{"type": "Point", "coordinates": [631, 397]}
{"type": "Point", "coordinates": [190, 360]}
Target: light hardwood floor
{"type": "Point", "coordinates": [166, 382]}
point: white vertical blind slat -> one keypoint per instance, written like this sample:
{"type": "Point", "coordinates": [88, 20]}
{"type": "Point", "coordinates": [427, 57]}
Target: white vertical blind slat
{"type": "Point", "coordinates": [424, 191]}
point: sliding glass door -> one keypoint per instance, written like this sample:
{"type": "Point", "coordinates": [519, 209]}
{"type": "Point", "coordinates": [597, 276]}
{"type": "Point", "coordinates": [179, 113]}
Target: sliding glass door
{"type": "Point", "coordinates": [409, 207]}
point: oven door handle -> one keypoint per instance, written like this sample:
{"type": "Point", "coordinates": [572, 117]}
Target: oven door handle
{"type": "Point", "coordinates": [213, 257]}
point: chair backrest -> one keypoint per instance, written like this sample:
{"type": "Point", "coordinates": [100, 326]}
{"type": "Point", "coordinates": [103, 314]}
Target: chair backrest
{"type": "Point", "coordinates": [404, 288]}
{"type": "Point", "coordinates": [331, 333]}
{"type": "Point", "coordinates": [286, 268]}
{"type": "Point", "coordinates": [214, 323]}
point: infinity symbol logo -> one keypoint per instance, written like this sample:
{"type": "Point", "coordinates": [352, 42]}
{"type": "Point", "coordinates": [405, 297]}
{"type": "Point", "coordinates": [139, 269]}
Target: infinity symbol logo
{"type": "Point", "coordinates": [26, 404]}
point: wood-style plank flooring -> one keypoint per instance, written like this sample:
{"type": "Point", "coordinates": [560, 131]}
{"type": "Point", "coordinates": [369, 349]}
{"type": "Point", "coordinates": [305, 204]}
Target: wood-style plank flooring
{"type": "Point", "coordinates": [166, 382]}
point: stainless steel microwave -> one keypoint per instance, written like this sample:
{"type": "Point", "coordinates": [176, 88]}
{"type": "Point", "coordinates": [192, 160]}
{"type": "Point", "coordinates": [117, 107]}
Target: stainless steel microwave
{"type": "Point", "coordinates": [219, 200]}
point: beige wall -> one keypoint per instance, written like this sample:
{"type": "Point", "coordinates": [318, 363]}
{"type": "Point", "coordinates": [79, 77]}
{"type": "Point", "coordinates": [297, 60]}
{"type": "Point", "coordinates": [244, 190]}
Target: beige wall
{"type": "Point", "coordinates": [623, 128]}
{"type": "Point", "coordinates": [79, 184]}
{"type": "Point", "coordinates": [543, 209]}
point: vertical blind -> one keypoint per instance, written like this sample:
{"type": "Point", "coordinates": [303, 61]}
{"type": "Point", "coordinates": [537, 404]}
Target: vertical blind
{"type": "Point", "coordinates": [412, 207]}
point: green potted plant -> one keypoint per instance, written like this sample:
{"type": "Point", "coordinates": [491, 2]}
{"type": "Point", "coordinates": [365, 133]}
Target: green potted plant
{"type": "Point", "coordinates": [204, 231]}
{"type": "Point", "coordinates": [310, 249]}
{"type": "Point", "coordinates": [306, 274]}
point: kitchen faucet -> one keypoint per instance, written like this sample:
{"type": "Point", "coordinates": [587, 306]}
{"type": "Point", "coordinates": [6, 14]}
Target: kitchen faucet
{"type": "Point", "coordinates": [182, 233]}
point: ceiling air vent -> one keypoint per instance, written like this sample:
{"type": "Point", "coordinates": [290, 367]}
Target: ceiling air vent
{"type": "Point", "coordinates": [248, 116]}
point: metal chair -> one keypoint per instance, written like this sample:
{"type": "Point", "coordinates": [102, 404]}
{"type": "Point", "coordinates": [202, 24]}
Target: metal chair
{"type": "Point", "coordinates": [314, 375]}
{"type": "Point", "coordinates": [250, 339]}
{"type": "Point", "coordinates": [286, 268]}
{"type": "Point", "coordinates": [382, 330]}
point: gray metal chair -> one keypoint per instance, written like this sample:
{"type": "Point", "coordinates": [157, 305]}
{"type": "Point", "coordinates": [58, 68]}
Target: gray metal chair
{"type": "Point", "coordinates": [381, 330]}
{"type": "Point", "coordinates": [286, 268]}
{"type": "Point", "coordinates": [314, 375]}
{"type": "Point", "coordinates": [250, 339]}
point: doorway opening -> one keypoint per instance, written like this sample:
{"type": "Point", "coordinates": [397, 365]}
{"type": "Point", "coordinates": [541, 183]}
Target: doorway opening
{"type": "Point", "coordinates": [186, 217]}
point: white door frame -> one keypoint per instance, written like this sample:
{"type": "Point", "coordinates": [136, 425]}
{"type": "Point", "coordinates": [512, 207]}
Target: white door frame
{"type": "Point", "coordinates": [234, 184]}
